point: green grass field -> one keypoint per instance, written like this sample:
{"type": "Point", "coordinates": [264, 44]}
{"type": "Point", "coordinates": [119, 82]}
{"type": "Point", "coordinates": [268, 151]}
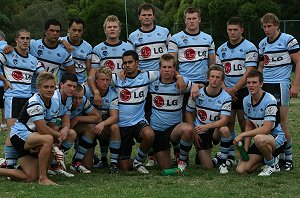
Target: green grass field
{"type": "Point", "coordinates": [194, 183]}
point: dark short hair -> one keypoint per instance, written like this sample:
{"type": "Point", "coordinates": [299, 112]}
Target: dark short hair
{"type": "Point", "coordinates": [191, 10]}
{"type": "Point", "coordinates": [255, 73]}
{"type": "Point", "coordinates": [51, 22]}
{"type": "Point", "coordinates": [68, 76]}
{"type": "Point", "coordinates": [132, 53]}
{"type": "Point", "coordinates": [146, 6]}
{"type": "Point", "coordinates": [235, 21]}
{"type": "Point", "coordinates": [76, 20]}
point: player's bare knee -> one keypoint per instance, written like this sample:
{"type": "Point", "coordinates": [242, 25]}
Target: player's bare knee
{"type": "Point", "coordinates": [259, 140]}
{"type": "Point", "coordinates": [31, 177]}
{"type": "Point", "coordinates": [188, 132]}
{"type": "Point", "coordinates": [241, 170]}
{"type": "Point", "coordinates": [148, 134]}
{"type": "Point", "coordinates": [224, 131]}
{"type": "Point", "coordinates": [72, 135]}
{"type": "Point", "coordinates": [47, 139]}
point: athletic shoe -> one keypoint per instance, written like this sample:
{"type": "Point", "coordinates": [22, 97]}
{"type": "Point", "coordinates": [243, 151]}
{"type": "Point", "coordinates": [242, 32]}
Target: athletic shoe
{"type": "Point", "coordinates": [114, 168]}
{"type": "Point", "coordinates": [56, 170]}
{"type": "Point", "coordinates": [287, 166]}
{"type": "Point", "coordinates": [277, 164]}
{"type": "Point", "coordinates": [64, 173]}
{"type": "Point", "coordinates": [182, 165]}
{"type": "Point", "coordinates": [268, 170]}
{"type": "Point", "coordinates": [101, 165]}
{"type": "Point", "coordinates": [151, 162]}
{"type": "Point", "coordinates": [51, 172]}
{"type": "Point", "coordinates": [231, 163]}
{"type": "Point", "coordinates": [223, 169]}
{"type": "Point", "coordinates": [140, 168]}
{"type": "Point", "coordinates": [78, 167]}
{"type": "Point", "coordinates": [3, 163]}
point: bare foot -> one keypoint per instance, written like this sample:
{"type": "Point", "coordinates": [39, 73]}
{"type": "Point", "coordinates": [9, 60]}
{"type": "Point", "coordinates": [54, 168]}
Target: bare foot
{"type": "Point", "coordinates": [47, 181]}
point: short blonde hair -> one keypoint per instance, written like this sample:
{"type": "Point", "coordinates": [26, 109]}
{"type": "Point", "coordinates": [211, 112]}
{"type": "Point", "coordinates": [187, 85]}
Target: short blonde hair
{"type": "Point", "coordinates": [104, 70]}
{"type": "Point", "coordinates": [270, 18]}
{"type": "Point", "coordinates": [42, 78]}
{"type": "Point", "coordinates": [112, 18]}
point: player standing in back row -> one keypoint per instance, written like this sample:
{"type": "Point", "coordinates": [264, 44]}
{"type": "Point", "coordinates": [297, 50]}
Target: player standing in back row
{"type": "Point", "coordinates": [276, 53]}
{"type": "Point", "coordinates": [238, 57]}
{"type": "Point", "coordinates": [149, 41]}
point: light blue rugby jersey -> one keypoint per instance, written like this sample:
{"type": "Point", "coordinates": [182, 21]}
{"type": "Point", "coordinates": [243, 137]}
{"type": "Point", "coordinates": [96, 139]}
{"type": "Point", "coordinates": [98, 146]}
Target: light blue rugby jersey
{"type": "Point", "coordinates": [166, 104]}
{"type": "Point", "coordinates": [132, 93]}
{"type": "Point", "coordinates": [109, 101]}
{"type": "Point", "coordinates": [80, 54]}
{"type": "Point", "coordinates": [84, 108]}
{"type": "Point", "coordinates": [150, 46]}
{"type": "Point", "coordinates": [50, 58]}
{"type": "Point", "coordinates": [265, 110]}
{"type": "Point", "coordinates": [18, 70]}
{"type": "Point", "coordinates": [193, 51]}
{"type": "Point", "coordinates": [276, 56]}
{"type": "Point", "coordinates": [110, 55]}
{"type": "Point", "coordinates": [64, 107]}
{"type": "Point", "coordinates": [209, 108]}
{"type": "Point", "coordinates": [34, 110]}
{"type": "Point", "coordinates": [235, 59]}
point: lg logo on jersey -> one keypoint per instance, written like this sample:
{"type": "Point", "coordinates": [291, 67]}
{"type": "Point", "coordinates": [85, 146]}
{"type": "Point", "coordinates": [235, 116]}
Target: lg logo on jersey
{"type": "Point", "coordinates": [125, 95]}
{"type": "Point", "coordinates": [146, 51]}
{"type": "Point", "coordinates": [228, 66]}
{"type": "Point", "coordinates": [159, 102]}
{"type": "Point", "coordinates": [273, 59]}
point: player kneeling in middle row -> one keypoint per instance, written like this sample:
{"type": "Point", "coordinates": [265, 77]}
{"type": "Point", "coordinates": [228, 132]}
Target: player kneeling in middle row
{"type": "Point", "coordinates": [83, 119]}
{"type": "Point", "coordinates": [213, 107]}
{"type": "Point", "coordinates": [166, 117]}
{"type": "Point", "coordinates": [108, 128]}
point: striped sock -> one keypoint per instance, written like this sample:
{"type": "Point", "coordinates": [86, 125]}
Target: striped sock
{"type": "Point", "coordinates": [185, 148]}
{"type": "Point", "coordinates": [114, 147]}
